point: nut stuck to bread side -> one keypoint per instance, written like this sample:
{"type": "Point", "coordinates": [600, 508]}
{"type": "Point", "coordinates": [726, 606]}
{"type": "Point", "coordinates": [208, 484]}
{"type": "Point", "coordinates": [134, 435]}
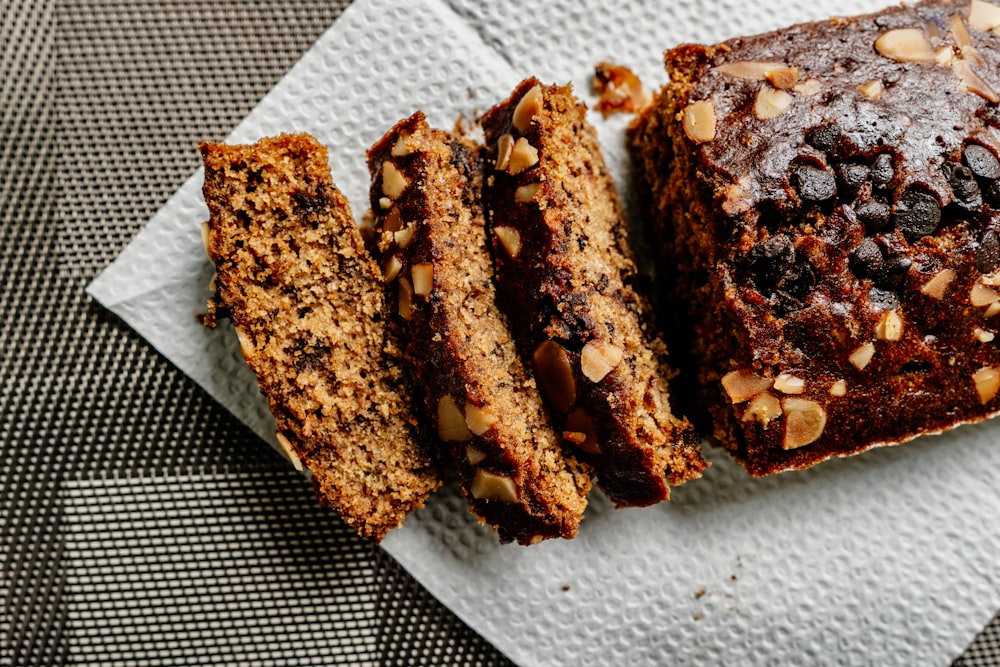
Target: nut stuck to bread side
{"type": "Point", "coordinates": [565, 279]}
{"type": "Point", "coordinates": [431, 241]}
{"type": "Point", "coordinates": [306, 302]}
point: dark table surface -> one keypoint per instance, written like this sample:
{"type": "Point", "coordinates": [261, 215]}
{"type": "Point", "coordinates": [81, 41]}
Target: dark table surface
{"type": "Point", "coordinates": [140, 522]}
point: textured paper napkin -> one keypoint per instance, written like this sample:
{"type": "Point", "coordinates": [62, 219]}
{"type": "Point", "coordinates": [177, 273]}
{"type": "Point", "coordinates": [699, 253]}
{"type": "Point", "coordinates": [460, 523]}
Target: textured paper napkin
{"type": "Point", "coordinates": [887, 558]}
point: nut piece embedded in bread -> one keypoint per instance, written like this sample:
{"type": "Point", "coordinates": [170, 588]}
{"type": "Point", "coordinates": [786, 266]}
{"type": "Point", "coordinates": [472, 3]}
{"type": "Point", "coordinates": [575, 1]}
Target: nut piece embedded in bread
{"type": "Point", "coordinates": [841, 241]}
{"type": "Point", "coordinates": [306, 302]}
{"type": "Point", "coordinates": [564, 275]}
{"type": "Point", "coordinates": [511, 464]}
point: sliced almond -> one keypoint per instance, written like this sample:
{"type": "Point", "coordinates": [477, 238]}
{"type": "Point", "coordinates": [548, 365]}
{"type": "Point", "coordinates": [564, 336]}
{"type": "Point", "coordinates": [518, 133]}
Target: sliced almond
{"type": "Point", "coordinates": [474, 456]}
{"type": "Point", "coordinates": [763, 408]}
{"type": "Point", "coordinates": [385, 203]}
{"type": "Point", "coordinates": [403, 236]}
{"type": "Point", "coordinates": [554, 376]}
{"type": "Point", "coordinates": [983, 16]}
{"type": "Point", "coordinates": [944, 56]}
{"type": "Point", "coordinates": [289, 450]}
{"type": "Point", "coordinates": [523, 156]}
{"type": "Point", "coordinates": [938, 285]}
{"type": "Point", "coordinates": [477, 419]}
{"type": "Point", "coordinates": [905, 45]}
{"type": "Point", "coordinates": [987, 381]}
{"type": "Point", "coordinates": [862, 355]}
{"type": "Point", "coordinates": [742, 385]}
{"type": "Point", "coordinates": [738, 198]}
{"type": "Point", "coordinates": [526, 193]}
{"type": "Point", "coordinates": [423, 278]}
{"type": "Point", "coordinates": [450, 422]}
{"type": "Point", "coordinates": [784, 78]}
{"type": "Point", "coordinates": [804, 422]}
{"type": "Point", "coordinates": [838, 388]}
{"type": "Point", "coordinates": [872, 89]}
{"type": "Point", "coordinates": [529, 106]}
{"type": "Point", "coordinates": [750, 70]}
{"type": "Point", "coordinates": [206, 237]}
{"type": "Point", "coordinates": [889, 326]}
{"type": "Point", "coordinates": [505, 144]}
{"type": "Point", "coordinates": [698, 119]}
{"type": "Point", "coordinates": [992, 310]}
{"type": "Point", "coordinates": [808, 88]}
{"type": "Point", "coordinates": [599, 358]}
{"type": "Point", "coordinates": [983, 335]}
{"type": "Point", "coordinates": [391, 268]}
{"type": "Point", "coordinates": [787, 383]}
{"type": "Point", "coordinates": [487, 486]}
{"type": "Point", "coordinates": [771, 102]}
{"type": "Point", "coordinates": [246, 345]}
{"type": "Point", "coordinates": [973, 82]}
{"type": "Point", "coordinates": [959, 33]}
{"type": "Point", "coordinates": [393, 181]}
{"type": "Point", "coordinates": [510, 239]}
{"type": "Point", "coordinates": [400, 148]}
{"type": "Point", "coordinates": [981, 295]}
{"type": "Point", "coordinates": [405, 308]}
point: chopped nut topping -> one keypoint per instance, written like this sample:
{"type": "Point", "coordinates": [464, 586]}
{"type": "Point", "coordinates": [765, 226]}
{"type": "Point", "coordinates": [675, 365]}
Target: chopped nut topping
{"type": "Point", "coordinates": [982, 335]}
{"type": "Point", "coordinates": [391, 268]}
{"type": "Point", "coordinates": [784, 78]}
{"type": "Point", "coordinates": [400, 148]}
{"type": "Point", "coordinates": [423, 278]}
{"type": "Point", "coordinates": [393, 222]}
{"type": "Point", "coordinates": [477, 419]}
{"type": "Point", "coordinates": [289, 450]}
{"type": "Point", "coordinates": [206, 237]}
{"type": "Point", "coordinates": [510, 239]}
{"type": "Point", "coordinates": [527, 108]}
{"type": "Point", "coordinates": [246, 345]}
{"type": "Point", "coordinates": [862, 355]}
{"type": "Point", "coordinates": [405, 298]}
{"type": "Point", "coordinates": [983, 16]}
{"type": "Point", "coordinates": [487, 486]}
{"type": "Point", "coordinates": [808, 88]}
{"type": "Point", "coordinates": [522, 156]}
{"type": "Point", "coordinates": [474, 456]}
{"type": "Point", "coordinates": [212, 282]}
{"type": "Point", "coordinates": [385, 202]}
{"type": "Point", "coordinates": [699, 121]}
{"type": "Point", "coordinates": [526, 193]}
{"type": "Point", "coordinates": [450, 422]}
{"type": "Point", "coordinates": [890, 326]}
{"type": "Point", "coordinates": [554, 376]}
{"type": "Point", "coordinates": [838, 388]}
{"type": "Point", "coordinates": [744, 384]}
{"type": "Point", "coordinates": [804, 422]}
{"type": "Point", "coordinates": [905, 45]}
{"type": "Point", "coordinates": [961, 35]}
{"type": "Point", "coordinates": [981, 295]}
{"type": "Point", "coordinates": [944, 55]}
{"type": "Point", "coordinates": [993, 309]}
{"type": "Point", "coordinates": [599, 358]}
{"type": "Point", "coordinates": [764, 408]}
{"type": "Point", "coordinates": [393, 181]}
{"type": "Point", "coordinates": [872, 89]}
{"type": "Point", "coordinates": [505, 144]}
{"type": "Point", "coordinates": [771, 102]}
{"type": "Point", "coordinates": [620, 89]}
{"type": "Point", "coordinates": [737, 198]}
{"type": "Point", "coordinates": [579, 423]}
{"type": "Point", "coordinates": [403, 236]}
{"type": "Point", "coordinates": [973, 82]}
{"type": "Point", "coordinates": [938, 285]}
{"type": "Point", "coordinates": [987, 381]}
{"type": "Point", "coordinates": [751, 70]}
{"type": "Point", "coordinates": [787, 383]}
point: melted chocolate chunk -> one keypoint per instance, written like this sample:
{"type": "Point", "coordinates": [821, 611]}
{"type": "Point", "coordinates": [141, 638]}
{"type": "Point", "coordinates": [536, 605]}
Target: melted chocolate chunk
{"type": "Point", "coordinates": [883, 299]}
{"type": "Point", "coordinates": [964, 186]}
{"type": "Point", "coordinates": [988, 252]}
{"type": "Point", "coordinates": [866, 260]}
{"type": "Point", "coordinates": [814, 184]}
{"type": "Point", "coordinates": [798, 281]}
{"type": "Point", "coordinates": [771, 260]}
{"type": "Point", "coordinates": [892, 272]}
{"type": "Point", "coordinates": [917, 214]}
{"type": "Point", "coordinates": [851, 177]}
{"type": "Point", "coordinates": [982, 162]}
{"type": "Point", "coordinates": [882, 170]}
{"type": "Point", "coordinates": [874, 214]}
{"type": "Point", "coordinates": [823, 137]}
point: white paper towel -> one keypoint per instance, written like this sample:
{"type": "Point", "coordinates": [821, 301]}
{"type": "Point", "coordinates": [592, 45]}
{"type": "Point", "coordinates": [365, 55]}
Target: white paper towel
{"type": "Point", "coordinates": [887, 558]}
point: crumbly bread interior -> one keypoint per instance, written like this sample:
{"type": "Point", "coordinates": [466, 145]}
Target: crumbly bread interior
{"type": "Point", "coordinates": [307, 304]}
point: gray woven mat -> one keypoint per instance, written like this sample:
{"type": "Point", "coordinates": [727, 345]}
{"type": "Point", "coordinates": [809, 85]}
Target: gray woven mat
{"type": "Point", "coordinates": [139, 522]}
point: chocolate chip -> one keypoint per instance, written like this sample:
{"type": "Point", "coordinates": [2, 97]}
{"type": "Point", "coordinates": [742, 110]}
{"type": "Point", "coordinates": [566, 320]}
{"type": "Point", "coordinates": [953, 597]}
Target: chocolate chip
{"type": "Point", "coordinates": [874, 214]}
{"type": "Point", "coordinates": [964, 186]}
{"type": "Point", "coordinates": [988, 252]}
{"type": "Point", "coordinates": [851, 176]}
{"type": "Point", "coordinates": [883, 299]}
{"type": "Point", "coordinates": [982, 162]}
{"type": "Point", "coordinates": [866, 259]}
{"type": "Point", "coordinates": [882, 170]}
{"type": "Point", "coordinates": [823, 137]}
{"type": "Point", "coordinates": [771, 259]}
{"type": "Point", "coordinates": [892, 272]}
{"type": "Point", "coordinates": [917, 214]}
{"type": "Point", "coordinates": [813, 183]}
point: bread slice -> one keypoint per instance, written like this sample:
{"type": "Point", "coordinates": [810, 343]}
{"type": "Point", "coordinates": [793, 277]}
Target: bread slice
{"type": "Point", "coordinates": [430, 234]}
{"type": "Point", "coordinates": [565, 275]}
{"type": "Point", "coordinates": [307, 303]}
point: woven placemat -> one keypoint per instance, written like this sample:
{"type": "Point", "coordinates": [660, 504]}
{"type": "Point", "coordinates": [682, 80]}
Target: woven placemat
{"type": "Point", "coordinates": [139, 522]}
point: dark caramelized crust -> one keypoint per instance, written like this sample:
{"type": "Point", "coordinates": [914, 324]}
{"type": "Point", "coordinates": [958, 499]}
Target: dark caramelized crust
{"type": "Point", "coordinates": [830, 195]}
{"type": "Point", "coordinates": [431, 237]}
{"type": "Point", "coordinates": [307, 304]}
{"type": "Point", "coordinates": [565, 273]}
